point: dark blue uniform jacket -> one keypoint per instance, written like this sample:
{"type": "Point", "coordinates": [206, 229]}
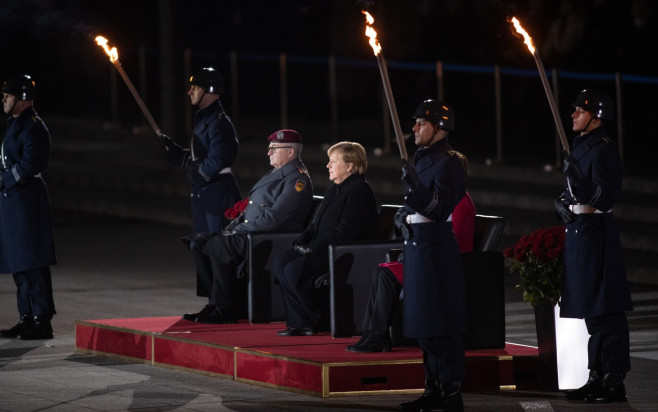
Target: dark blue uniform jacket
{"type": "Point", "coordinates": [595, 278]}
{"type": "Point", "coordinates": [434, 285]}
{"type": "Point", "coordinates": [26, 236]}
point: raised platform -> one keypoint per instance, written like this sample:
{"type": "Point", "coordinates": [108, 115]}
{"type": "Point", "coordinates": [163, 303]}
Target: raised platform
{"type": "Point", "coordinates": [315, 365]}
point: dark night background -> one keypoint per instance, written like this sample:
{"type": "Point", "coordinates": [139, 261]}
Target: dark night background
{"type": "Point", "coordinates": [53, 41]}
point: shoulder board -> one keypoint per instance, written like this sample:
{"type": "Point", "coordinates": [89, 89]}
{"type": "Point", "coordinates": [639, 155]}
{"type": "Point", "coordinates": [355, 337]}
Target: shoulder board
{"type": "Point", "coordinates": [221, 115]}
{"type": "Point", "coordinates": [605, 139]}
{"type": "Point", "coordinates": [303, 170]}
{"type": "Point", "coordinates": [36, 119]}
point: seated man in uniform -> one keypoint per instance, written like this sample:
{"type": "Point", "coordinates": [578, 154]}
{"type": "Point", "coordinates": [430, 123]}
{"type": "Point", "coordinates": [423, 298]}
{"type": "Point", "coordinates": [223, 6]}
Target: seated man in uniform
{"type": "Point", "coordinates": [280, 200]}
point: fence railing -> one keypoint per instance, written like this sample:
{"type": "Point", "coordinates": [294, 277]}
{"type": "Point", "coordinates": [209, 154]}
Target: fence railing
{"type": "Point", "coordinates": [333, 70]}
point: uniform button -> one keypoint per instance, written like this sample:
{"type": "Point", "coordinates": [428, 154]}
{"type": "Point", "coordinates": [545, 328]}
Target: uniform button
{"type": "Point", "coordinates": [415, 244]}
{"type": "Point", "coordinates": [246, 220]}
{"type": "Point", "coordinates": [405, 242]}
{"type": "Point", "coordinates": [251, 202]}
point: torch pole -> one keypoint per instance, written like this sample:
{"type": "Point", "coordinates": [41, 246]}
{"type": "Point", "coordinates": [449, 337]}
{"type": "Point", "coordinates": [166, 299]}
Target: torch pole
{"type": "Point", "coordinates": [551, 102]}
{"type": "Point", "coordinates": [391, 106]}
{"type": "Point", "coordinates": [138, 99]}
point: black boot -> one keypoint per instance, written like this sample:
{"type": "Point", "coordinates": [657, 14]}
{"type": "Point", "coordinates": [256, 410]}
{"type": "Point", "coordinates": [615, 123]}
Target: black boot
{"type": "Point", "coordinates": [451, 398]}
{"type": "Point", "coordinates": [220, 316]}
{"type": "Point", "coordinates": [40, 329]}
{"type": "Point", "coordinates": [358, 342]}
{"type": "Point", "coordinates": [200, 316]}
{"type": "Point", "coordinates": [612, 390]}
{"type": "Point", "coordinates": [594, 384]}
{"type": "Point", "coordinates": [431, 395]}
{"type": "Point", "coordinates": [22, 325]}
{"type": "Point", "coordinates": [375, 342]}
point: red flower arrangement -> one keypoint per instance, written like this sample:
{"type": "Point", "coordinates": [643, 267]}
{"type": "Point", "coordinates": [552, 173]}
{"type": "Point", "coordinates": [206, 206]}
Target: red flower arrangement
{"type": "Point", "coordinates": [237, 209]}
{"type": "Point", "coordinates": [538, 259]}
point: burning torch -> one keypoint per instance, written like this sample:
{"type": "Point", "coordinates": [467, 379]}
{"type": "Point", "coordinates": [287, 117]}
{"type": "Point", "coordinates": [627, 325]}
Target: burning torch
{"type": "Point", "coordinates": [377, 48]}
{"type": "Point", "coordinates": [544, 80]}
{"type": "Point", "coordinates": [114, 58]}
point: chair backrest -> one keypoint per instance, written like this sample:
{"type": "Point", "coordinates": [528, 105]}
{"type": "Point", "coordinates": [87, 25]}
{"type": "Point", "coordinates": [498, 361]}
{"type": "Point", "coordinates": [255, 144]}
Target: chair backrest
{"type": "Point", "coordinates": [317, 200]}
{"type": "Point", "coordinates": [486, 232]}
{"type": "Point", "coordinates": [386, 221]}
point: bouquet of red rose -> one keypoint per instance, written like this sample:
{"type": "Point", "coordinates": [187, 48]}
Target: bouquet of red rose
{"type": "Point", "coordinates": [237, 209]}
{"type": "Point", "coordinates": [538, 259]}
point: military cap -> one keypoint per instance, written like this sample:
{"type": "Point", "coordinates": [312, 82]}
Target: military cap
{"type": "Point", "coordinates": [285, 136]}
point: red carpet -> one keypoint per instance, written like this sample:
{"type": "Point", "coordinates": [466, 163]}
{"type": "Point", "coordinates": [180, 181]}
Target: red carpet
{"type": "Point", "coordinates": [317, 365]}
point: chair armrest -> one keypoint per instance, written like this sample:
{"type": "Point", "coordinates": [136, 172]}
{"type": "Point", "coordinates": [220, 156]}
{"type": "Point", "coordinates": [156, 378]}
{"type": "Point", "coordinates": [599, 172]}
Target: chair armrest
{"type": "Point", "coordinates": [264, 301]}
{"type": "Point", "coordinates": [351, 265]}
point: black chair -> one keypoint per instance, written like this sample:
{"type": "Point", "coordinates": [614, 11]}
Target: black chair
{"type": "Point", "coordinates": [485, 286]}
{"type": "Point", "coordinates": [350, 274]}
{"type": "Point", "coordinates": [486, 232]}
{"type": "Point", "coordinates": [485, 289]}
{"type": "Point", "coordinates": [264, 301]}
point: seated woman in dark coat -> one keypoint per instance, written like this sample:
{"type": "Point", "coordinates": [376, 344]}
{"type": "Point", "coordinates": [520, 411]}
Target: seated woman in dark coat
{"type": "Point", "coordinates": [348, 213]}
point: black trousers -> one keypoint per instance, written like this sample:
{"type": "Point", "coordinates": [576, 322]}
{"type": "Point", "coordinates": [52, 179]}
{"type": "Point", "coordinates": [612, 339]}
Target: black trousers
{"type": "Point", "coordinates": [34, 293]}
{"type": "Point", "coordinates": [217, 260]}
{"type": "Point", "coordinates": [296, 277]}
{"type": "Point", "coordinates": [384, 297]}
{"type": "Point", "coordinates": [443, 357]}
{"type": "Point", "coordinates": [608, 348]}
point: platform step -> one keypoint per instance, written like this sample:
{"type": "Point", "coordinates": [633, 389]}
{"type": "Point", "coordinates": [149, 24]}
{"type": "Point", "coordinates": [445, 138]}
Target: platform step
{"type": "Point", "coordinates": [316, 365]}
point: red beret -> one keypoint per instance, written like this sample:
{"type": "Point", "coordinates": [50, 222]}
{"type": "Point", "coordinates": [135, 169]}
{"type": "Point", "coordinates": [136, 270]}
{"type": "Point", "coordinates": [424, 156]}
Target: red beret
{"type": "Point", "coordinates": [285, 136]}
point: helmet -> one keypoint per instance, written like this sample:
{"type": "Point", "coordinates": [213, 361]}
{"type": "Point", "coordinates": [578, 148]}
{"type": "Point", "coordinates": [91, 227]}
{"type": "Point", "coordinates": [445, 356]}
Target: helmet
{"type": "Point", "coordinates": [22, 86]}
{"type": "Point", "coordinates": [439, 113]}
{"type": "Point", "coordinates": [209, 79]}
{"type": "Point", "coordinates": [597, 102]}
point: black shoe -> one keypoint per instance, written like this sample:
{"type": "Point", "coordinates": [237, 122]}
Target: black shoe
{"type": "Point", "coordinates": [358, 342]}
{"type": "Point", "coordinates": [375, 342]}
{"type": "Point", "coordinates": [220, 316]}
{"type": "Point", "coordinates": [200, 316]}
{"type": "Point", "coordinates": [25, 323]}
{"type": "Point", "coordinates": [450, 400]}
{"type": "Point", "coordinates": [612, 389]}
{"type": "Point", "coordinates": [303, 331]}
{"type": "Point", "coordinates": [431, 395]}
{"type": "Point", "coordinates": [40, 329]}
{"type": "Point", "coordinates": [594, 384]}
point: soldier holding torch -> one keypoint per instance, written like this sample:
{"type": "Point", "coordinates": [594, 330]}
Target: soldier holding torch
{"type": "Point", "coordinates": [434, 304]}
{"type": "Point", "coordinates": [212, 151]}
{"type": "Point", "coordinates": [594, 286]}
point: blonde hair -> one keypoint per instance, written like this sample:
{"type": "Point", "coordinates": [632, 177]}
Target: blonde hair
{"type": "Point", "coordinates": [351, 152]}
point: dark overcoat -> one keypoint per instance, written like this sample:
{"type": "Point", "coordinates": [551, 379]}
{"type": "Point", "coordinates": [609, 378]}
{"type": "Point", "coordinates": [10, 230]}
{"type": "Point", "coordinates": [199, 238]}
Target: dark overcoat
{"type": "Point", "coordinates": [213, 149]}
{"type": "Point", "coordinates": [348, 212]}
{"type": "Point", "coordinates": [26, 235]}
{"type": "Point", "coordinates": [594, 278]}
{"type": "Point", "coordinates": [434, 285]}
{"type": "Point", "coordinates": [280, 200]}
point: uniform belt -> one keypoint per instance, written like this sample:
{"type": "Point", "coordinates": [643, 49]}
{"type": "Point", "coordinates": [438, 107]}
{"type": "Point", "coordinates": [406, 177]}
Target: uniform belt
{"type": "Point", "coordinates": [585, 209]}
{"type": "Point", "coordinates": [225, 171]}
{"type": "Point", "coordinates": [418, 218]}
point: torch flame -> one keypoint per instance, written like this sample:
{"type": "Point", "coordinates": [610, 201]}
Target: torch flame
{"type": "Point", "coordinates": [371, 33]}
{"type": "Point", "coordinates": [526, 37]}
{"type": "Point", "coordinates": [113, 52]}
